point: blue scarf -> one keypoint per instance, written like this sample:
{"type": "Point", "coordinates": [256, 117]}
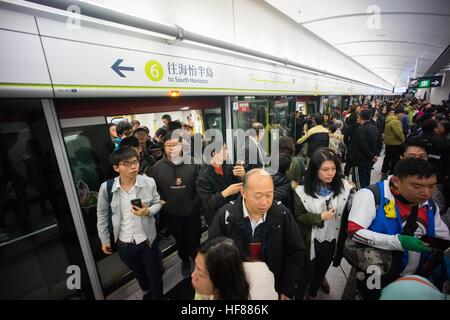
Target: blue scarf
{"type": "Point", "coordinates": [324, 191]}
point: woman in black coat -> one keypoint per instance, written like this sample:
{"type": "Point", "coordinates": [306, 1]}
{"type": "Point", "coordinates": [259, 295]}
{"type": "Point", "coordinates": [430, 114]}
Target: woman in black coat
{"type": "Point", "coordinates": [218, 182]}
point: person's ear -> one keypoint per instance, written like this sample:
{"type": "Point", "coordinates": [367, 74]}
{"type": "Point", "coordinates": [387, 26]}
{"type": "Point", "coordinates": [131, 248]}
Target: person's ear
{"type": "Point", "coordinates": [116, 168]}
{"type": "Point", "coordinates": [243, 193]}
{"type": "Point", "coordinates": [395, 181]}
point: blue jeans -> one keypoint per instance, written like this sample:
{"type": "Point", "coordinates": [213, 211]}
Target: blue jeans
{"type": "Point", "coordinates": [145, 261]}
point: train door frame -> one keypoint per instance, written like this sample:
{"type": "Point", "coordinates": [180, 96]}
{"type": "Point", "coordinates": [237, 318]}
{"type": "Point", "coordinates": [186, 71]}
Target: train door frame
{"type": "Point", "coordinates": [62, 158]}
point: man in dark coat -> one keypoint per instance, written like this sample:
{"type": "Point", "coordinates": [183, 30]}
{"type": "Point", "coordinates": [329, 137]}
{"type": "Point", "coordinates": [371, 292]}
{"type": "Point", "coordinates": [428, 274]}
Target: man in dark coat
{"type": "Point", "coordinates": [263, 230]}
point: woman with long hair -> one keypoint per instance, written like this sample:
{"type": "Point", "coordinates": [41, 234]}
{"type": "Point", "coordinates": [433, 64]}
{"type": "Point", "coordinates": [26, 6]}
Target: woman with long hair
{"type": "Point", "coordinates": [321, 213]}
{"type": "Point", "coordinates": [221, 273]}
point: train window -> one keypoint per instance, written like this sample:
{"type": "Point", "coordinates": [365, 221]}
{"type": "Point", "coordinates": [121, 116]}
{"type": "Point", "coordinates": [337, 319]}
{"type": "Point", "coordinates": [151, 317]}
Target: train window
{"type": "Point", "coordinates": [332, 104]}
{"type": "Point", "coordinates": [272, 112]}
{"type": "Point", "coordinates": [38, 241]}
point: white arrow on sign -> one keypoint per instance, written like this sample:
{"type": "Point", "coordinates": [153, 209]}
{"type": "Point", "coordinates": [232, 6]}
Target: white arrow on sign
{"type": "Point", "coordinates": [435, 82]}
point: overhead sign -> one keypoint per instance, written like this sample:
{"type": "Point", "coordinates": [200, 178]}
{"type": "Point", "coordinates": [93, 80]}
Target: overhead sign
{"type": "Point", "coordinates": [426, 82]}
{"type": "Point", "coordinates": [244, 106]}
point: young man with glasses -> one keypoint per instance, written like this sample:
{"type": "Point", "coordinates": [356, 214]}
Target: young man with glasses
{"type": "Point", "coordinates": [175, 180]}
{"type": "Point", "coordinates": [122, 220]}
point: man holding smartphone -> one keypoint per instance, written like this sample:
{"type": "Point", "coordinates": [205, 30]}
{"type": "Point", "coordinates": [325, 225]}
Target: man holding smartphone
{"type": "Point", "coordinates": [125, 215]}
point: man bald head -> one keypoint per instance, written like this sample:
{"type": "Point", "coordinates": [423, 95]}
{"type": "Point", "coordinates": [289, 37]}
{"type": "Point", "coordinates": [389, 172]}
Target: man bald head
{"type": "Point", "coordinates": [257, 192]}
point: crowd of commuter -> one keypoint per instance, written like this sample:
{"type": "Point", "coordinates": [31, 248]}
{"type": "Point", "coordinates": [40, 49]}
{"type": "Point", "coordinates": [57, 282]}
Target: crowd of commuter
{"type": "Point", "coordinates": [275, 236]}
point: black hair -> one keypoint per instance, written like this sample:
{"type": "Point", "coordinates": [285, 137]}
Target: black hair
{"type": "Point", "coordinates": [429, 125]}
{"type": "Point", "coordinates": [286, 145]}
{"type": "Point", "coordinates": [414, 167]}
{"type": "Point", "coordinates": [312, 181]}
{"type": "Point", "coordinates": [318, 119]}
{"type": "Point", "coordinates": [167, 117]}
{"type": "Point", "coordinates": [332, 128]}
{"type": "Point", "coordinates": [171, 135]}
{"type": "Point", "coordinates": [446, 125]}
{"type": "Point", "coordinates": [123, 126]}
{"type": "Point", "coordinates": [413, 142]}
{"type": "Point", "coordinates": [224, 264]}
{"type": "Point", "coordinates": [130, 141]}
{"type": "Point", "coordinates": [111, 124]}
{"type": "Point", "coordinates": [284, 164]}
{"type": "Point", "coordinates": [161, 132]}
{"type": "Point", "coordinates": [174, 125]}
{"type": "Point", "coordinates": [365, 115]}
{"type": "Point", "coordinates": [122, 154]}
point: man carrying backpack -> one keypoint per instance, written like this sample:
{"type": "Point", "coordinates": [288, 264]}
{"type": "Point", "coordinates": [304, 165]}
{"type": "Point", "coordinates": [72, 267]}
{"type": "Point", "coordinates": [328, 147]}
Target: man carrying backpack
{"type": "Point", "coordinates": [125, 219]}
{"type": "Point", "coordinates": [403, 214]}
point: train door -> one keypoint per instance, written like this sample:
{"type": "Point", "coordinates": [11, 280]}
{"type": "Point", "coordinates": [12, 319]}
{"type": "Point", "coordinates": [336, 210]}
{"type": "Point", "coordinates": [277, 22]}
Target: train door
{"type": "Point", "coordinates": [38, 238]}
{"type": "Point", "coordinates": [84, 125]}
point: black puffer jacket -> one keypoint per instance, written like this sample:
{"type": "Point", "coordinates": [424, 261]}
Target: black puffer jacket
{"type": "Point", "coordinates": [210, 186]}
{"type": "Point", "coordinates": [282, 248]}
{"type": "Point", "coordinates": [282, 190]}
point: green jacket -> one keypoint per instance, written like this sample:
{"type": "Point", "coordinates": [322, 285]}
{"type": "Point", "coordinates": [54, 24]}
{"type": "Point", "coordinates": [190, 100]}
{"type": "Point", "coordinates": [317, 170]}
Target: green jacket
{"type": "Point", "coordinates": [410, 113]}
{"type": "Point", "coordinates": [393, 131]}
{"type": "Point", "coordinates": [305, 221]}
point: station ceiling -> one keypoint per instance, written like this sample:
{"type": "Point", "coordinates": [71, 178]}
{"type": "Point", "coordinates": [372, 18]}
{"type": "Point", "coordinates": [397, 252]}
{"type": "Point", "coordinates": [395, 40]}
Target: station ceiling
{"type": "Point", "coordinates": [388, 37]}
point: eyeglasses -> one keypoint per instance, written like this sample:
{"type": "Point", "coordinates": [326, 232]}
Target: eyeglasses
{"type": "Point", "coordinates": [171, 145]}
{"type": "Point", "coordinates": [129, 164]}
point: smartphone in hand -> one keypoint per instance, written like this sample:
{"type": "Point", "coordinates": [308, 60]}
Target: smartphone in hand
{"type": "Point", "coordinates": [436, 243]}
{"type": "Point", "coordinates": [136, 202]}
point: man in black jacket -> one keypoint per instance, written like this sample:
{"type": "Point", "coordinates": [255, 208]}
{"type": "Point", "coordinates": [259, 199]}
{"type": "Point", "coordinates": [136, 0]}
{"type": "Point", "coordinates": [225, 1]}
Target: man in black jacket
{"type": "Point", "coordinates": [175, 181]}
{"type": "Point", "coordinates": [364, 149]}
{"type": "Point", "coordinates": [263, 230]}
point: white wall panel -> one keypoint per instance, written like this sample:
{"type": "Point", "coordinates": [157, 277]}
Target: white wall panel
{"type": "Point", "coordinates": [22, 65]}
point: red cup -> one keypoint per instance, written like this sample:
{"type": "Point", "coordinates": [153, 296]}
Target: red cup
{"type": "Point", "coordinates": [254, 250]}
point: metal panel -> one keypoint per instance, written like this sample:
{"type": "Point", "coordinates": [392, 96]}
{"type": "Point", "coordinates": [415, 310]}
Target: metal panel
{"type": "Point", "coordinates": [23, 68]}
{"type": "Point", "coordinates": [72, 197]}
{"type": "Point", "coordinates": [228, 127]}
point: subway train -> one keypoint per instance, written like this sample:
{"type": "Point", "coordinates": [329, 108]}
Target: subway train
{"type": "Point", "coordinates": [66, 75]}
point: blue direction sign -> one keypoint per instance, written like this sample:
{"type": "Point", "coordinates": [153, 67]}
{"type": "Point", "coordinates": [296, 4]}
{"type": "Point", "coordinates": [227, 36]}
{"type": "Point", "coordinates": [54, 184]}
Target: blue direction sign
{"type": "Point", "coordinates": [118, 68]}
